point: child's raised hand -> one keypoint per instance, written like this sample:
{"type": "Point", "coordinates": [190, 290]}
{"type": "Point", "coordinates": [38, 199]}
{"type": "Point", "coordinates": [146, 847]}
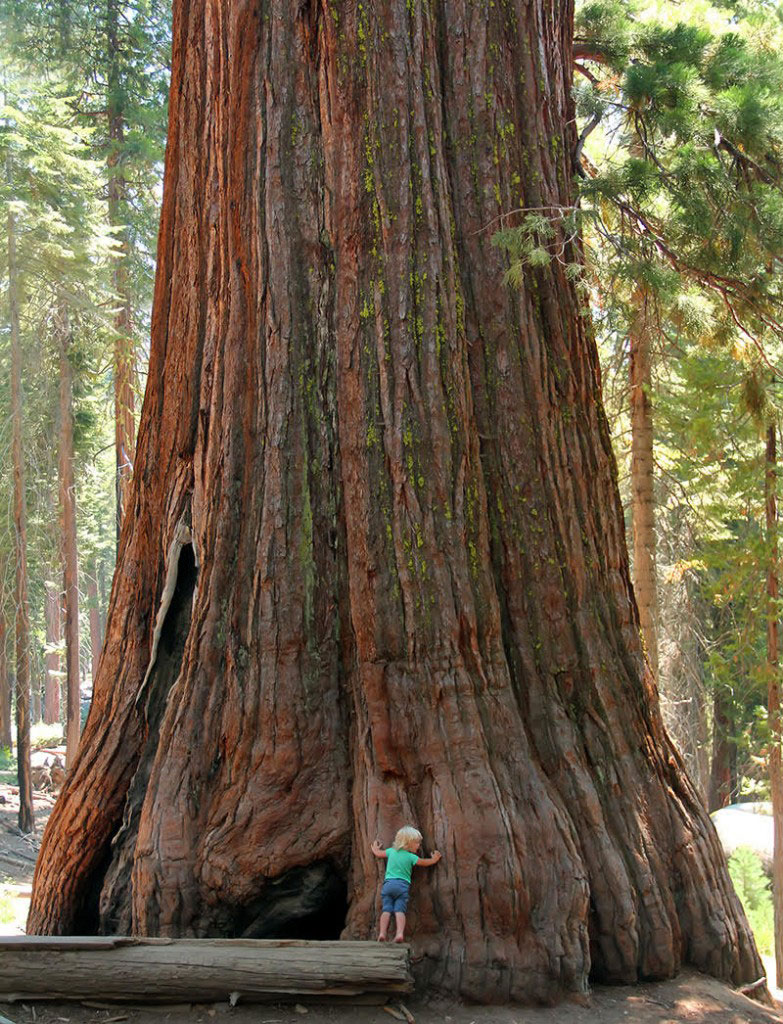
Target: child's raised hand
{"type": "Point", "coordinates": [376, 846]}
{"type": "Point", "coordinates": [436, 856]}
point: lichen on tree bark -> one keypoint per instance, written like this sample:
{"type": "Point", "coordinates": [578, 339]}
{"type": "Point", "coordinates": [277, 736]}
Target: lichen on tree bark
{"type": "Point", "coordinates": [412, 599]}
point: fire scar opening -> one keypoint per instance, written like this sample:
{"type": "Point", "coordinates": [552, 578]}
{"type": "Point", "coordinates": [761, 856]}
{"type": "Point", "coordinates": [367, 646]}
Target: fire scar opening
{"type": "Point", "coordinates": [304, 903]}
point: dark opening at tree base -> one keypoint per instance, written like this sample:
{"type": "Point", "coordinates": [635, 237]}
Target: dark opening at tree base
{"type": "Point", "coordinates": [305, 903]}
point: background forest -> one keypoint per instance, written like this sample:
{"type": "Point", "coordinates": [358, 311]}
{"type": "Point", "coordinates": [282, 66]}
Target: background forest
{"type": "Point", "coordinates": [680, 112]}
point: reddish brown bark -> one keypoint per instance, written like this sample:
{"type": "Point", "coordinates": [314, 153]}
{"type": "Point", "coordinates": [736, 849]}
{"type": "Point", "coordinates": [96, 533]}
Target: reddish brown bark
{"type": "Point", "coordinates": [51, 712]}
{"type": "Point", "coordinates": [22, 630]}
{"type": "Point", "coordinates": [773, 692]}
{"type": "Point", "coordinates": [68, 547]}
{"type": "Point", "coordinates": [374, 569]}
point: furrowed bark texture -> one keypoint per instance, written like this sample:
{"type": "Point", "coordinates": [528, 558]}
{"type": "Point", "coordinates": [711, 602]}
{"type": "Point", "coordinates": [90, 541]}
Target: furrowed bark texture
{"type": "Point", "coordinates": [374, 570]}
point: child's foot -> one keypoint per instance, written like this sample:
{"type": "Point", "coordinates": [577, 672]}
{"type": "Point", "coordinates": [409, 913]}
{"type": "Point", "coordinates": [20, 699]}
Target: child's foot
{"type": "Point", "coordinates": [381, 937]}
{"type": "Point", "coordinates": [399, 938]}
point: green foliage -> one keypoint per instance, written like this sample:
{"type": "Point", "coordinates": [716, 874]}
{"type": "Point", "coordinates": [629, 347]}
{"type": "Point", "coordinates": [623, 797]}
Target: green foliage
{"type": "Point", "coordinates": [7, 905]}
{"type": "Point", "coordinates": [7, 766]}
{"type": "Point", "coordinates": [753, 889]}
{"type": "Point", "coordinates": [681, 193]}
{"type": "Point", "coordinates": [686, 170]}
{"type": "Point", "coordinates": [539, 237]}
{"type": "Point", "coordinates": [82, 118]}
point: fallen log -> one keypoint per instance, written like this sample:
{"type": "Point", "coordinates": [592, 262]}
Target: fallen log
{"type": "Point", "coordinates": [130, 969]}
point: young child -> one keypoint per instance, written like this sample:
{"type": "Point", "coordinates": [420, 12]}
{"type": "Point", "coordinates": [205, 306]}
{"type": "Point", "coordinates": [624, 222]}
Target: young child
{"type": "Point", "coordinates": [400, 859]}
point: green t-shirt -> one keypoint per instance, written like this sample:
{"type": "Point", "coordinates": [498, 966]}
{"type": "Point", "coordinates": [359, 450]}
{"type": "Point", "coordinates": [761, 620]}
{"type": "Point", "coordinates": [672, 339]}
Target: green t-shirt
{"type": "Point", "coordinates": [399, 863]}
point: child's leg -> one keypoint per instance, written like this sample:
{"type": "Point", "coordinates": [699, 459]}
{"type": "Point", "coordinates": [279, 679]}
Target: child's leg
{"type": "Point", "coordinates": [385, 918]}
{"type": "Point", "coordinates": [400, 920]}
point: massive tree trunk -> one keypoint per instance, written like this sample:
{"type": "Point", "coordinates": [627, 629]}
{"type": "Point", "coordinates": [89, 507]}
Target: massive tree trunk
{"type": "Point", "coordinates": [53, 620]}
{"type": "Point", "coordinates": [68, 545]}
{"type": "Point", "coordinates": [773, 690]}
{"type": "Point", "coordinates": [26, 813]}
{"type": "Point", "coordinates": [374, 567]}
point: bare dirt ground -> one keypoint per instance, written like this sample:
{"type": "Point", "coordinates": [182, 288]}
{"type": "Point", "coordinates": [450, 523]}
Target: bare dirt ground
{"type": "Point", "coordinates": [17, 856]}
{"type": "Point", "coordinates": [690, 998]}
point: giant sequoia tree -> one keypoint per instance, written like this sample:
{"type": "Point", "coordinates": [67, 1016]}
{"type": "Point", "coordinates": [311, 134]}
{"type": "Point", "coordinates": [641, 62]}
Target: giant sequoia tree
{"type": "Point", "coordinates": [374, 569]}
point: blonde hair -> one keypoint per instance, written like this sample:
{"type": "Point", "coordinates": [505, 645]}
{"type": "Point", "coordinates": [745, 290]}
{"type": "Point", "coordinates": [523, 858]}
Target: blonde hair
{"type": "Point", "coordinates": [406, 837]}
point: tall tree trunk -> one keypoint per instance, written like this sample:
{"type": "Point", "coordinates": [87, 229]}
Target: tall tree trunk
{"type": "Point", "coordinates": [68, 546]}
{"type": "Point", "coordinates": [645, 580]}
{"type": "Point", "coordinates": [722, 768]}
{"type": "Point", "coordinates": [376, 571]}
{"type": "Point", "coordinates": [96, 632]}
{"type": "Point", "coordinates": [773, 693]}
{"type": "Point", "coordinates": [36, 711]}
{"type": "Point", "coordinates": [26, 813]}
{"type": "Point", "coordinates": [5, 686]}
{"type": "Point", "coordinates": [102, 598]}
{"type": "Point", "coordinates": [124, 348]}
{"type": "Point", "coordinates": [53, 640]}
{"type": "Point", "coordinates": [681, 669]}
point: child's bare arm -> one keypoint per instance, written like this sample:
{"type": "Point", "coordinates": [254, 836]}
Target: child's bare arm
{"type": "Point", "coordinates": [427, 862]}
{"type": "Point", "coordinates": [378, 850]}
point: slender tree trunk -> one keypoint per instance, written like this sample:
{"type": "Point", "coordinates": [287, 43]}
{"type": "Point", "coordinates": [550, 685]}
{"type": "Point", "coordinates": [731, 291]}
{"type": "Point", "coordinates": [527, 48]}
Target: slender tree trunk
{"type": "Point", "coordinates": [52, 666]}
{"type": "Point", "coordinates": [681, 671]}
{"type": "Point", "coordinates": [26, 813]}
{"type": "Point", "coordinates": [102, 599]}
{"type": "Point", "coordinates": [36, 712]}
{"type": "Point", "coordinates": [124, 348]}
{"type": "Point", "coordinates": [5, 686]}
{"type": "Point", "coordinates": [376, 570]}
{"type": "Point", "coordinates": [96, 633]}
{"type": "Point", "coordinates": [645, 578]}
{"type": "Point", "coordinates": [773, 693]}
{"type": "Point", "coordinates": [69, 547]}
{"type": "Point", "coordinates": [723, 752]}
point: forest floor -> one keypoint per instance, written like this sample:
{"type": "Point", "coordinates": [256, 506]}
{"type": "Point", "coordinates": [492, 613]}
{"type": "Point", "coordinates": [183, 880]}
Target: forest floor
{"type": "Point", "coordinates": [690, 998]}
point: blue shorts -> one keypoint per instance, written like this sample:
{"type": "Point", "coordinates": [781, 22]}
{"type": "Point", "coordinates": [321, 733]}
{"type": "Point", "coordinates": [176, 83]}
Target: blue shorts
{"type": "Point", "coordinates": [394, 896]}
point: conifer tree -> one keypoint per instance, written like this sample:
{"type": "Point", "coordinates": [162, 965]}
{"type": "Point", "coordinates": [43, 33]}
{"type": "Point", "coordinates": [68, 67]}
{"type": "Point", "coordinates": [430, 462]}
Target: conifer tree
{"type": "Point", "coordinates": [114, 58]}
{"type": "Point", "coordinates": [64, 255]}
{"type": "Point", "coordinates": [690, 204]}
